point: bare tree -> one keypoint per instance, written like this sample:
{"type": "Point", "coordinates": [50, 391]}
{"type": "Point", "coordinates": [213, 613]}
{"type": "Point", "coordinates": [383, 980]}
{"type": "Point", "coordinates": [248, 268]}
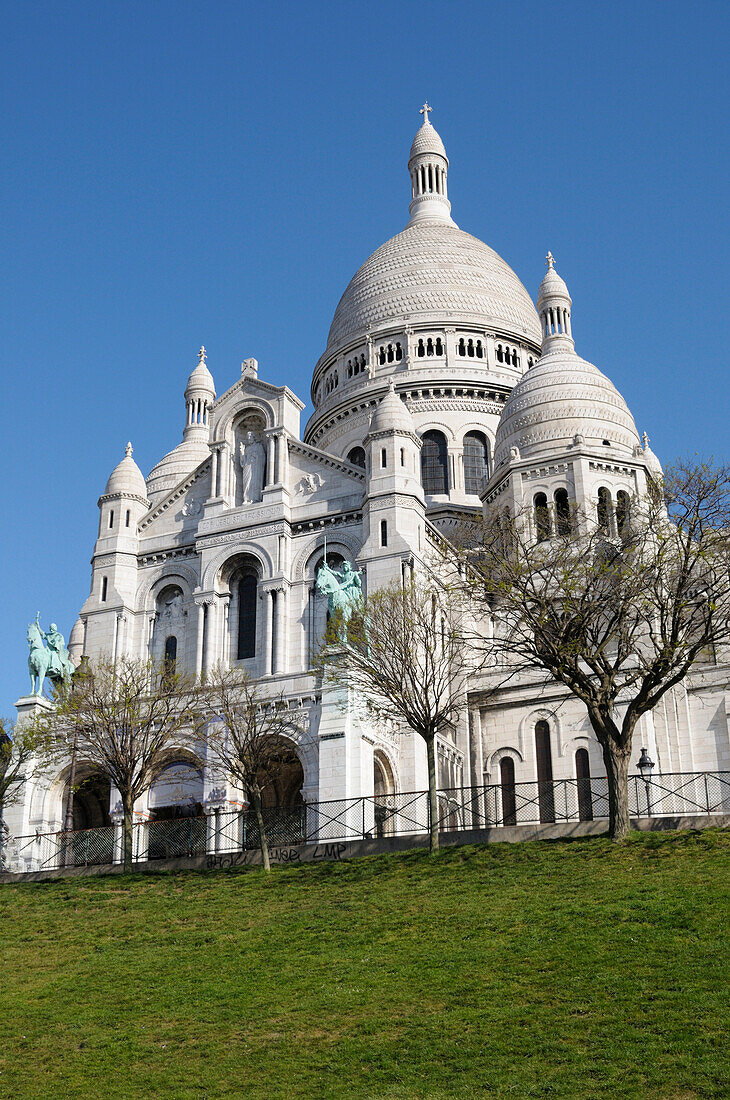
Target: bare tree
{"type": "Point", "coordinates": [620, 618]}
{"type": "Point", "coordinates": [23, 750]}
{"type": "Point", "coordinates": [245, 736]}
{"type": "Point", "coordinates": [406, 659]}
{"type": "Point", "coordinates": [125, 717]}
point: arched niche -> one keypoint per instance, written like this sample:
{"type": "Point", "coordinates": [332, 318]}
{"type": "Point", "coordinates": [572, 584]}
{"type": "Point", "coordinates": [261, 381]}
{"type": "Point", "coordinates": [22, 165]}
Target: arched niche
{"type": "Point", "coordinates": [249, 456]}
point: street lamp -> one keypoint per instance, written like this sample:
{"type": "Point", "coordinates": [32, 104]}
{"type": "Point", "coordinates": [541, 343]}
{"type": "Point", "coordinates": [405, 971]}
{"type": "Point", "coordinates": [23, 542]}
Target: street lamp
{"type": "Point", "coordinates": [645, 764]}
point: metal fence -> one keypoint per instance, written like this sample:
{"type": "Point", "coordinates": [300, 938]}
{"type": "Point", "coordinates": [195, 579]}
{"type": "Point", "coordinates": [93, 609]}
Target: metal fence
{"type": "Point", "coordinates": [404, 814]}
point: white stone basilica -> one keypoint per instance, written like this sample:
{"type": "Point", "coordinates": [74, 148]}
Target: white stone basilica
{"type": "Point", "coordinates": [442, 390]}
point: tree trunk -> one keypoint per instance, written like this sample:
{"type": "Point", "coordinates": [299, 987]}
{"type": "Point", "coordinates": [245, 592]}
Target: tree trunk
{"type": "Point", "coordinates": [263, 839]}
{"type": "Point", "coordinates": [433, 804]}
{"type": "Point", "coordinates": [616, 760]}
{"type": "Point", "coordinates": [128, 807]}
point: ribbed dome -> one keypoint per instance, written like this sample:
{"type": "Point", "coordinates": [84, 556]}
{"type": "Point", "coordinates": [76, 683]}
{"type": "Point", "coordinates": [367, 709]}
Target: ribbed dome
{"type": "Point", "coordinates": [427, 140]}
{"type": "Point", "coordinates": [127, 478]}
{"type": "Point", "coordinates": [434, 272]}
{"type": "Point", "coordinates": [392, 414]}
{"type": "Point", "coordinates": [560, 397]}
{"type": "Point", "coordinates": [176, 465]}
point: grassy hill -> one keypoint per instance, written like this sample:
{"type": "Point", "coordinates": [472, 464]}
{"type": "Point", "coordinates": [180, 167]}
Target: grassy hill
{"type": "Point", "coordinates": [567, 969]}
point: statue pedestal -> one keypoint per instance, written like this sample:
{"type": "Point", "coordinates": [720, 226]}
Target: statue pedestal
{"type": "Point", "coordinates": [346, 770]}
{"type": "Point", "coordinates": [29, 705]}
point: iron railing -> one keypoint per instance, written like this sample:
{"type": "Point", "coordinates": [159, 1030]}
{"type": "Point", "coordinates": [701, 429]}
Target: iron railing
{"type": "Point", "coordinates": [226, 831]}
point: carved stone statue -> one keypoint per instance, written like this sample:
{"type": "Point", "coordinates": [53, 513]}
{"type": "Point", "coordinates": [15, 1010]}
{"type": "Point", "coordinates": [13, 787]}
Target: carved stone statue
{"type": "Point", "coordinates": [51, 660]}
{"type": "Point", "coordinates": [252, 457]}
{"type": "Point", "coordinates": [343, 590]}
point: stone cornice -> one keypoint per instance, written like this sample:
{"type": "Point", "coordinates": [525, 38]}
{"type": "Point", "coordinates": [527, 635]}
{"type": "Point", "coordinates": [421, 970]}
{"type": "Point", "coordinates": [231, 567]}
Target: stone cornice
{"type": "Point", "coordinates": [296, 446]}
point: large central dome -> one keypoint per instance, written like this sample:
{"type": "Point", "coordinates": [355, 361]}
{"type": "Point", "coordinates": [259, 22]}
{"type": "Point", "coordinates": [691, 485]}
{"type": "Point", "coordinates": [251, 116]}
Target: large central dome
{"type": "Point", "coordinates": [434, 271]}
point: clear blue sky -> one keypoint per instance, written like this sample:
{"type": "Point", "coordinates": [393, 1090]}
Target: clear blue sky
{"type": "Point", "coordinates": [184, 173]}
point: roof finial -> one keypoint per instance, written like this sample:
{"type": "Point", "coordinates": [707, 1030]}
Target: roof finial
{"type": "Point", "coordinates": [202, 355]}
{"type": "Point", "coordinates": [645, 440]}
{"type": "Point", "coordinates": [425, 112]}
{"type": "Point", "coordinates": [550, 260]}
{"type": "Point", "coordinates": [128, 451]}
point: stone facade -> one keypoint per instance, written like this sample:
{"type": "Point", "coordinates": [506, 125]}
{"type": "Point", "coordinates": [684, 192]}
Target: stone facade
{"type": "Point", "coordinates": [442, 390]}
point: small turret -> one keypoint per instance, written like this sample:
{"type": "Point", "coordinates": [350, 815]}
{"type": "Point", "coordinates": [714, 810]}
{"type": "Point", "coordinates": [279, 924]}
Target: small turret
{"type": "Point", "coordinates": [429, 166]}
{"type": "Point", "coordinates": [554, 305]}
{"type": "Point", "coordinates": [199, 396]}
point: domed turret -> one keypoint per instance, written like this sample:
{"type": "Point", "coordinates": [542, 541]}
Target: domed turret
{"type": "Point", "coordinates": [392, 414]}
{"type": "Point", "coordinates": [553, 305]}
{"type": "Point", "coordinates": [653, 464]}
{"type": "Point", "coordinates": [429, 165]}
{"type": "Point", "coordinates": [562, 398]}
{"type": "Point", "coordinates": [194, 449]}
{"type": "Point", "coordinates": [126, 479]}
{"type": "Point", "coordinates": [199, 396]}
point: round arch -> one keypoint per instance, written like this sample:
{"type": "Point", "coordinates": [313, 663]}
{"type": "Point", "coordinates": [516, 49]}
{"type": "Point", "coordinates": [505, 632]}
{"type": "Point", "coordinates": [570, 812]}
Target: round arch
{"type": "Point", "coordinates": [214, 566]}
{"type": "Point", "coordinates": [224, 428]}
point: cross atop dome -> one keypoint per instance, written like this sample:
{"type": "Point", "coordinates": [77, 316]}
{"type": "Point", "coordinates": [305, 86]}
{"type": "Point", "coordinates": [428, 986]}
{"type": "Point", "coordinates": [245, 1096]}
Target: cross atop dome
{"type": "Point", "coordinates": [128, 451]}
{"type": "Point", "coordinates": [550, 260]}
{"type": "Point", "coordinates": [202, 355]}
{"type": "Point", "coordinates": [425, 110]}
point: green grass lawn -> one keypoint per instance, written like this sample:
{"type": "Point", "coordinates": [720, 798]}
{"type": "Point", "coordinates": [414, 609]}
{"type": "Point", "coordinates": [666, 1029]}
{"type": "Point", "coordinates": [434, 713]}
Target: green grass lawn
{"type": "Point", "coordinates": [564, 969]}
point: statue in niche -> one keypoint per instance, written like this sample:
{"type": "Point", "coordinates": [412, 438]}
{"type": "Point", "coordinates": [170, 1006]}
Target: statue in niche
{"type": "Point", "coordinates": [173, 605]}
{"type": "Point", "coordinates": [252, 457]}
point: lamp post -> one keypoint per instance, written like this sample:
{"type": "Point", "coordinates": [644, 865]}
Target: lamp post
{"type": "Point", "coordinates": [645, 764]}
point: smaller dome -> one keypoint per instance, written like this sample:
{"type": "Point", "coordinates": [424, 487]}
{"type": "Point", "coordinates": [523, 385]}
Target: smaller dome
{"type": "Point", "coordinates": [653, 464]}
{"type": "Point", "coordinates": [201, 379]}
{"type": "Point", "coordinates": [427, 140]}
{"type": "Point", "coordinates": [392, 414]}
{"type": "Point", "coordinates": [127, 478]}
{"type": "Point", "coordinates": [562, 397]}
{"type": "Point", "coordinates": [176, 465]}
{"type": "Point", "coordinates": [76, 642]}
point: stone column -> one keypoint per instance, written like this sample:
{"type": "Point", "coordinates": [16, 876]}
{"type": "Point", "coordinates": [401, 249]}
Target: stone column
{"type": "Point", "coordinates": [200, 636]}
{"type": "Point", "coordinates": [214, 474]}
{"type": "Point", "coordinates": [282, 602]}
{"type": "Point", "coordinates": [266, 595]}
{"type": "Point", "coordinates": [225, 649]}
{"type": "Point", "coordinates": [210, 634]}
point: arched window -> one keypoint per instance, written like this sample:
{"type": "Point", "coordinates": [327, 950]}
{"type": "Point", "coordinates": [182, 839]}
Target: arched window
{"type": "Point", "coordinates": [583, 780]}
{"type": "Point", "coordinates": [500, 354]}
{"type": "Point", "coordinates": [357, 457]}
{"type": "Point", "coordinates": [603, 510]}
{"type": "Point", "coordinates": [247, 606]}
{"type": "Point", "coordinates": [170, 653]}
{"type": "Point", "coordinates": [507, 783]}
{"type": "Point", "coordinates": [434, 463]}
{"type": "Point", "coordinates": [476, 462]}
{"type": "Point", "coordinates": [623, 504]}
{"type": "Point", "coordinates": [103, 589]}
{"type": "Point", "coordinates": [543, 752]}
{"type": "Point", "coordinates": [542, 517]}
{"type": "Point", "coordinates": [126, 521]}
{"type": "Point", "coordinates": [420, 349]}
{"type": "Point", "coordinates": [111, 519]}
{"type": "Point", "coordinates": [383, 532]}
{"type": "Point", "coordinates": [562, 512]}
{"type": "Point", "coordinates": [398, 352]}
{"type": "Point", "coordinates": [461, 347]}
